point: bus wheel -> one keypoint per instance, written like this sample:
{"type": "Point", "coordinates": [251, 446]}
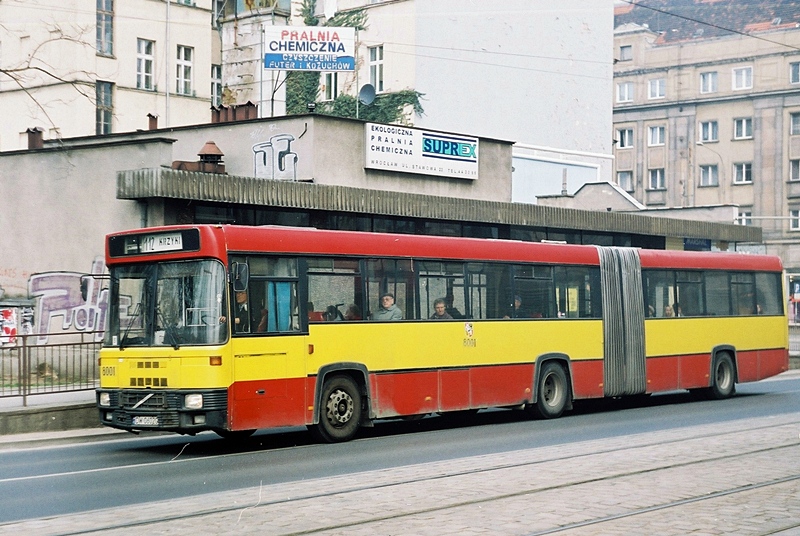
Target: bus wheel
{"type": "Point", "coordinates": [552, 392]}
{"type": "Point", "coordinates": [722, 378]}
{"type": "Point", "coordinates": [340, 413]}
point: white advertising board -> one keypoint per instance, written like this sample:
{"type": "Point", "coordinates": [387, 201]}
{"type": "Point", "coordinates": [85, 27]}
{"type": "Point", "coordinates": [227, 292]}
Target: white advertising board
{"type": "Point", "coordinates": [309, 48]}
{"type": "Point", "coordinates": [413, 150]}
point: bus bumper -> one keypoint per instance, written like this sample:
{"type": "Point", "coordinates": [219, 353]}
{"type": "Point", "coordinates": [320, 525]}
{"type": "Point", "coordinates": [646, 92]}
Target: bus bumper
{"type": "Point", "coordinates": [181, 411]}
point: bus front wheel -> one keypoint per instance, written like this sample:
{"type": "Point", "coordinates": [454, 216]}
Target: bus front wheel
{"type": "Point", "coordinates": [552, 391]}
{"type": "Point", "coordinates": [340, 412]}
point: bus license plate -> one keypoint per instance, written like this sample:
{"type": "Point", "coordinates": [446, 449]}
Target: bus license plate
{"type": "Point", "coordinates": [145, 420]}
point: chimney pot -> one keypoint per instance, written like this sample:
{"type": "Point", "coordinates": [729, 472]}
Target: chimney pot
{"type": "Point", "coordinates": [210, 153]}
{"type": "Point", "coordinates": [152, 121]}
{"type": "Point", "coordinates": [35, 138]}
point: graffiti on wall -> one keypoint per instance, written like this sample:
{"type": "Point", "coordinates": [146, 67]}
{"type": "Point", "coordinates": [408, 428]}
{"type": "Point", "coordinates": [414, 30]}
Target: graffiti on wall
{"type": "Point", "coordinates": [58, 295]}
{"type": "Point", "coordinates": [274, 159]}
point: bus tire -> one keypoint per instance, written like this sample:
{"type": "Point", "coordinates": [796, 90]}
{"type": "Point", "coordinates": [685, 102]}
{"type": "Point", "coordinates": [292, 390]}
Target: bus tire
{"type": "Point", "coordinates": [552, 393]}
{"type": "Point", "coordinates": [340, 410]}
{"type": "Point", "coordinates": [723, 378]}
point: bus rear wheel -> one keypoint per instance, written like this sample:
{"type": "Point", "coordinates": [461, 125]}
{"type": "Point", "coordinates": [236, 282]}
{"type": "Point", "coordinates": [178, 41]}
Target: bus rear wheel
{"type": "Point", "coordinates": [723, 378]}
{"type": "Point", "coordinates": [552, 392]}
{"type": "Point", "coordinates": [340, 411]}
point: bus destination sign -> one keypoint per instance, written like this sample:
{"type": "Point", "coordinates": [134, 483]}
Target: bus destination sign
{"type": "Point", "coordinates": [150, 243]}
{"type": "Point", "coordinates": [157, 243]}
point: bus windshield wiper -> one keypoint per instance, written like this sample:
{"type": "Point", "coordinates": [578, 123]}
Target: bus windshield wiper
{"type": "Point", "coordinates": [130, 325]}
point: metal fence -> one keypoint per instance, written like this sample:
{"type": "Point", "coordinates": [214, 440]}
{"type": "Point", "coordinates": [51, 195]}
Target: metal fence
{"type": "Point", "coordinates": [67, 362]}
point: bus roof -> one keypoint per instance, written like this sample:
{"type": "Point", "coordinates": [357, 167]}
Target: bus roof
{"type": "Point", "coordinates": [219, 240]}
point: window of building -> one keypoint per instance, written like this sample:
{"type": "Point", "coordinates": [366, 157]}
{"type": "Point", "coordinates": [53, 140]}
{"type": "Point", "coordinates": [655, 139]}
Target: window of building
{"type": "Point", "coordinates": [376, 67]}
{"type": "Point", "coordinates": [656, 136]}
{"type": "Point", "coordinates": [708, 82]}
{"type": "Point", "coordinates": [625, 138]}
{"type": "Point", "coordinates": [216, 85]}
{"type": "Point", "coordinates": [186, 2]}
{"type": "Point", "coordinates": [105, 27]}
{"type": "Point", "coordinates": [743, 128]}
{"type": "Point", "coordinates": [145, 58]}
{"type": "Point", "coordinates": [331, 86]}
{"type": "Point", "coordinates": [625, 92]}
{"type": "Point", "coordinates": [742, 78]}
{"type": "Point", "coordinates": [625, 180]}
{"type": "Point", "coordinates": [745, 217]}
{"type": "Point", "coordinates": [183, 84]}
{"type": "Point", "coordinates": [709, 131]}
{"type": "Point", "coordinates": [625, 53]}
{"type": "Point", "coordinates": [794, 170]}
{"type": "Point", "coordinates": [104, 107]}
{"type": "Point", "coordinates": [794, 219]}
{"type": "Point", "coordinates": [794, 129]}
{"type": "Point", "coordinates": [657, 179]}
{"type": "Point", "coordinates": [743, 173]}
{"type": "Point", "coordinates": [656, 89]}
{"type": "Point", "coordinates": [709, 175]}
{"type": "Point", "coordinates": [794, 73]}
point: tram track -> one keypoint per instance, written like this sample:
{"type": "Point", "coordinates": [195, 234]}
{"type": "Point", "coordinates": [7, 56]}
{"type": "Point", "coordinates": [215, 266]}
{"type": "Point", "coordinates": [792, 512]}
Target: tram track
{"type": "Point", "coordinates": [403, 481]}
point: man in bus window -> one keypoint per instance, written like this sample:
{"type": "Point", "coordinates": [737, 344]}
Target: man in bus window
{"type": "Point", "coordinates": [440, 310]}
{"type": "Point", "coordinates": [387, 310]}
{"type": "Point", "coordinates": [242, 316]}
{"type": "Point", "coordinates": [517, 311]}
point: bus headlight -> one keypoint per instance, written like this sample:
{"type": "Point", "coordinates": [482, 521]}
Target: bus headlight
{"type": "Point", "coordinates": [105, 399]}
{"type": "Point", "coordinates": [193, 401]}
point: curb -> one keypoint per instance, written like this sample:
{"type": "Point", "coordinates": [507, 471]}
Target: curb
{"type": "Point", "coordinates": [49, 418]}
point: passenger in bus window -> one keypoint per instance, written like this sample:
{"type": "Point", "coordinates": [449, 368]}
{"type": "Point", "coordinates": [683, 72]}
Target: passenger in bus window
{"type": "Point", "coordinates": [676, 308]}
{"type": "Point", "coordinates": [668, 312]}
{"type": "Point", "coordinates": [517, 311]}
{"type": "Point", "coordinates": [241, 322]}
{"type": "Point", "coordinates": [440, 310]}
{"type": "Point", "coordinates": [450, 307]}
{"type": "Point", "coordinates": [387, 310]}
{"type": "Point", "coordinates": [352, 312]}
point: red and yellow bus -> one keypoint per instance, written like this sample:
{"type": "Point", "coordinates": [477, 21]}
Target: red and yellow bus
{"type": "Point", "coordinates": [233, 329]}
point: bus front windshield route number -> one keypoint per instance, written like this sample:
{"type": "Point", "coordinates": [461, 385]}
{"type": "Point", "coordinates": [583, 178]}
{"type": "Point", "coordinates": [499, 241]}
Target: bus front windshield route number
{"type": "Point", "coordinates": [162, 242]}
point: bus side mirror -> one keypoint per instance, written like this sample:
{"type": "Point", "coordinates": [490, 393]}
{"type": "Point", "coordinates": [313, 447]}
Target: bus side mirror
{"type": "Point", "coordinates": [241, 274]}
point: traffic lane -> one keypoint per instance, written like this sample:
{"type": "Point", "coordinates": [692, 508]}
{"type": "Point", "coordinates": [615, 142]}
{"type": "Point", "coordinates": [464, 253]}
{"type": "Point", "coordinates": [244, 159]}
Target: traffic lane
{"type": "Point", "coordinates": [170, 467]}
{"type": "Point", "coordinates": [619, 416]}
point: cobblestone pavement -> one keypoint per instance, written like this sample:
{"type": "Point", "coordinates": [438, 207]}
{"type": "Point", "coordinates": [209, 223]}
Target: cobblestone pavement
{"type": "Point", "coordinates": [741, 477]}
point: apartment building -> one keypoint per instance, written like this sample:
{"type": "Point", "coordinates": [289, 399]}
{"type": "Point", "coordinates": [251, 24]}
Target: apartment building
{"type": "Point", "coordinates": [83, 67]}
{"type": "Point", "coordinates": [707, 110]}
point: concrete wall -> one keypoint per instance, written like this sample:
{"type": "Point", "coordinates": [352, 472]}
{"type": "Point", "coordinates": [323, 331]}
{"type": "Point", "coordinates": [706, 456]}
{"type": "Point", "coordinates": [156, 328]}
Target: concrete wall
{"type": "Point", "coordinates": [58, 204]}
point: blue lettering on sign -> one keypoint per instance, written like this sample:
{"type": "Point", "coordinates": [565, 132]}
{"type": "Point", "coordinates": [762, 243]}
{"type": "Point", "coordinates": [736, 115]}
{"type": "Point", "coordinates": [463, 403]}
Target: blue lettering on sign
{"type": "Point", "coordinates": [449, 149]}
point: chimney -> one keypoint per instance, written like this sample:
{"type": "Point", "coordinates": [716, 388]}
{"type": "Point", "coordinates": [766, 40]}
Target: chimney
{"type": "Point", "coordinates": [35, 138]}
{"type": "Point", "coordinates": [210, 160]}
{"type": "Point", "coordinates": [152, 122]}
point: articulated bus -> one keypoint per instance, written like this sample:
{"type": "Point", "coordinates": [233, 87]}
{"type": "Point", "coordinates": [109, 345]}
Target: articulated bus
{"type": "Point", "coordinates": [234, 329]}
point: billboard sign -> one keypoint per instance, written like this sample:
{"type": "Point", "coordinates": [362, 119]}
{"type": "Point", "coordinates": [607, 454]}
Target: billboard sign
{"type": "Point", "coordinates": [313, 48]}
{"type": "Point", "coordinates": [413, 150]}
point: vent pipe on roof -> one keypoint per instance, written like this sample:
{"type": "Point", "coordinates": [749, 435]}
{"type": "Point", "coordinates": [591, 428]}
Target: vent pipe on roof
{"type": "Point", "coordinates": [152, 121]}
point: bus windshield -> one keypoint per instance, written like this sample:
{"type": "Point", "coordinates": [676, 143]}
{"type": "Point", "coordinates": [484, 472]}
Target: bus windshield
{"type": "Point", "coordinates": [167, 304]}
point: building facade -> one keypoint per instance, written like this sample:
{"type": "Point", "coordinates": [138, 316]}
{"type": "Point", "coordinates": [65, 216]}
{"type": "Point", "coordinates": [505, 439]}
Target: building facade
{"type": "Point", "coordinates": [707, 111]}
{"type": "Point", "coordinates": [533, 73]}
{"type": "Point", "coordinates": [84, 67]}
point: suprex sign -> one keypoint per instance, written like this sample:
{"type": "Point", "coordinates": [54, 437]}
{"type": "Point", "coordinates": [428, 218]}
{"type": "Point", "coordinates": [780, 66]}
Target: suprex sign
{"type": "Point", "coordinates": [448, 148]}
